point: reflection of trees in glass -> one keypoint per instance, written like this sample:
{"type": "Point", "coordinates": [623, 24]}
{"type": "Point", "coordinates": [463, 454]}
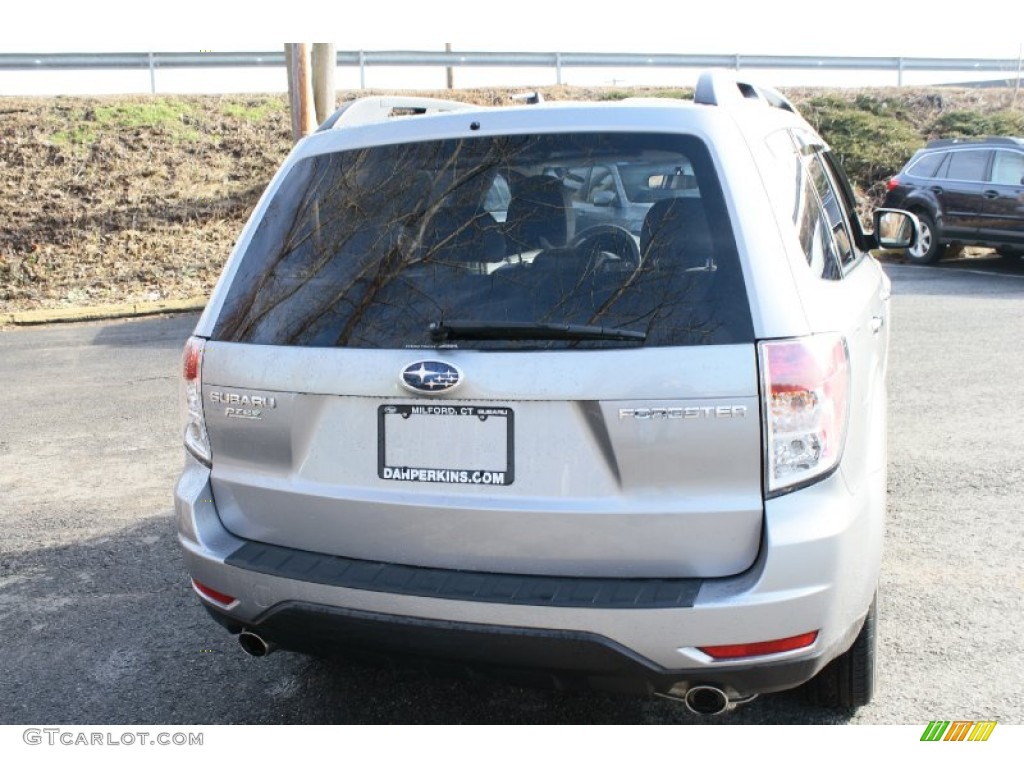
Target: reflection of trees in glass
{"type": "Point", "coordinates": [366, 248]}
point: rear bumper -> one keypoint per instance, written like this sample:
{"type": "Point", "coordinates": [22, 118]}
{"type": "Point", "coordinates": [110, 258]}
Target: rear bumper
{"type": "Point", "coordinates": [817, 570]}
{"type": "Point", "coordinates": [551, 659]}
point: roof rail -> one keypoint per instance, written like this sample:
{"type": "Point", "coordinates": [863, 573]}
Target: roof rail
{"type": "Point", "coordinates": [377, 109]}
{"type": "Point", "coordinates": [722, 89]}
{"type": "Point", "coordinates": [1006, 140]}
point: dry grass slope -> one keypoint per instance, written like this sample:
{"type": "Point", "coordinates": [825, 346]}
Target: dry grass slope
{"type": "Point", "coordinates": [140, 198]}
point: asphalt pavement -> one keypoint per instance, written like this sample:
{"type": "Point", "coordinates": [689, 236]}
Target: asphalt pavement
{"type": "Point", "coordinates": [98, 623]}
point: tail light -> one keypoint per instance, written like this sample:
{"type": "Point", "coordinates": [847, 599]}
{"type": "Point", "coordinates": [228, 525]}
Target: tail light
{"type": "Point", "coordinates": [197, 442]}
{"type": "Point", "coordinates": [806, 386]}
{"type": "Point", "coordinates": [892, 183]}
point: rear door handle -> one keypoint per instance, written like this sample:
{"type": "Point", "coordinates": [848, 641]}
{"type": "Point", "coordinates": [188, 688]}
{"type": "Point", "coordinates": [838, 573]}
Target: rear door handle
{"type": "Point", "coordinates": [991, 194]}
{"type": "Point", "coordinates": [876, 323]}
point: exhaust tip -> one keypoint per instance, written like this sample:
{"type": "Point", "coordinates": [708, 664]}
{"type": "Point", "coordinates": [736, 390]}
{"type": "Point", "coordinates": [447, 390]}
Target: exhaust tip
{"type": "Point", "coordinates": [254, 645]}
{"type": "Point", "coordinates": [706, 700]}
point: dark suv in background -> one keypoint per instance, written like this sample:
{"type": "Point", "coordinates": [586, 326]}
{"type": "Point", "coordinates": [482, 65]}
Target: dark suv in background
{"type": "Point", "coordinates": [964, 192]}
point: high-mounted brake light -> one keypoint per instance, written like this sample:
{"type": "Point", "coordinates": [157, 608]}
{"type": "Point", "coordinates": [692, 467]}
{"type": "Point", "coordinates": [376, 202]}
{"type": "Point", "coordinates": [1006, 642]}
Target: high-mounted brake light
{"type": "Point", "coordinates": [806, 385]}
{"type": "Point", "coordinates": [197, 442]}
{"type": "Point", "coordinates": [743, 650]}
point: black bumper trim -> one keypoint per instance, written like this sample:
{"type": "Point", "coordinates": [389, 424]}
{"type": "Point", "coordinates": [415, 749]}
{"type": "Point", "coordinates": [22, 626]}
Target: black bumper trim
{"type": "Point", "coordinates": [477, 587]}
{"type": "Point", "coordinates": [546, 658]}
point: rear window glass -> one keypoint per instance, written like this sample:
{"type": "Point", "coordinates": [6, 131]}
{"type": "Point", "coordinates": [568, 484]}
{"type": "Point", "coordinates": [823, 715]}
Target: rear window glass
{"type": "Point", "coordinates": [380, 247]}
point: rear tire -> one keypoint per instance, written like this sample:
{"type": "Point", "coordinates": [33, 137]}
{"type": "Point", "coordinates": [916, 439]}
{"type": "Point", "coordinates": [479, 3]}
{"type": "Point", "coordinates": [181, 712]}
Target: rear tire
{"type": "Point", "coordinates": [927, 250]}
{"type": "Point", "coordinates": [848, 681]}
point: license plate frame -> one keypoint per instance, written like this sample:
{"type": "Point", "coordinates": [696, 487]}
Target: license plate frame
{"type": "Point", "coordinates": [470, 435]}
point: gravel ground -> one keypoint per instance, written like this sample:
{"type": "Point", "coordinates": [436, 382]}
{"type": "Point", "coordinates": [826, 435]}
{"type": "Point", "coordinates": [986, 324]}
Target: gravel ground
{"type": "Point", "coordinates": [99, 625]}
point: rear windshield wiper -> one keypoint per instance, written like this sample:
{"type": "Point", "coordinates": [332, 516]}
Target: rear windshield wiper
{"type": "Point", "coordinates": [478, 329]}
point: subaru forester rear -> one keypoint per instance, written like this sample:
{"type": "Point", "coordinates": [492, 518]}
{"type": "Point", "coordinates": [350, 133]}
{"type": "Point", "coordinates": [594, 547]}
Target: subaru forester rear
{"type": "Point", "coordinates": [427, 415]}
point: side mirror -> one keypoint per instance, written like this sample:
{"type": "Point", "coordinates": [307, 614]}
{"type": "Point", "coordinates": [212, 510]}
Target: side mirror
{"type": "Point", "coordinates": [605, 197]}
{"type": "Point", "coordinates": [895, 229]}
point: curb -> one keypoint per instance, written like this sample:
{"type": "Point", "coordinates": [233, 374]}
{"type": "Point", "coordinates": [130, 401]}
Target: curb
{"type": "Point", "coordinates": [102, 312]}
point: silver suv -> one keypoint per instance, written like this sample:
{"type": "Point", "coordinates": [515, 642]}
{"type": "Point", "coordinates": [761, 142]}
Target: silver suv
{"type": "Point", "coordinates": [429, 415]}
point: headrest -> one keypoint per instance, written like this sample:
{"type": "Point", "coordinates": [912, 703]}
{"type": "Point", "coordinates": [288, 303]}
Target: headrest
{"type": "Point", "coordinates": [463, 235]}
{"type": "Point", "coordinates": [539, 215]}
{"type": "Point", "coordinates": [675, 232]}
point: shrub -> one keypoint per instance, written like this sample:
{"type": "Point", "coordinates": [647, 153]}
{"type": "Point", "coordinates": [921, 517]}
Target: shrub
{"type": "Point", "coordinates": [970, 123]}
{"type": "Point", "coordinates": [870, 140]}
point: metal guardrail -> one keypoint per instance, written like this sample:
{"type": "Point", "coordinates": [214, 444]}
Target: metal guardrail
{"type": "Point", "coordinates": [558, 61]}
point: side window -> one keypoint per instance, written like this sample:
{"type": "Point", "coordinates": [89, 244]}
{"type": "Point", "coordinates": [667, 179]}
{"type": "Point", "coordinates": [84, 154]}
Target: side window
{"type": "Point", "coordinates": [927, 167]}
{"type": "Point", "coordinates": [1008, 168]}
{"type": "Point", "coordinates": [814, 230]}
{"type": "Point", "coordinates": [967, 165]}
{"type": "Point", "coordinates": [601, 190]}
{"type": "Point", "coordinates": [835, 210]}
{"type": "Point", "coordinates": [819, 201]}
{"type": "Point", "coordinates": [498, 197]}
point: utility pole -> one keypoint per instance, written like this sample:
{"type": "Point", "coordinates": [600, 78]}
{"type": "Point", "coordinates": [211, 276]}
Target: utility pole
{"type": "Point", "coordinates": [1020, 63]}
{"type": "Point", "coordinates": [324, 96]}
{"type": "Point", "coordinates": [300, 89]}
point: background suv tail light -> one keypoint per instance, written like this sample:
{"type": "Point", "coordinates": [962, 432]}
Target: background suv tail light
{"type": "Point", "coordinates": [197, 442]}
{"type": "Point", "coordinates": [806, 385]}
